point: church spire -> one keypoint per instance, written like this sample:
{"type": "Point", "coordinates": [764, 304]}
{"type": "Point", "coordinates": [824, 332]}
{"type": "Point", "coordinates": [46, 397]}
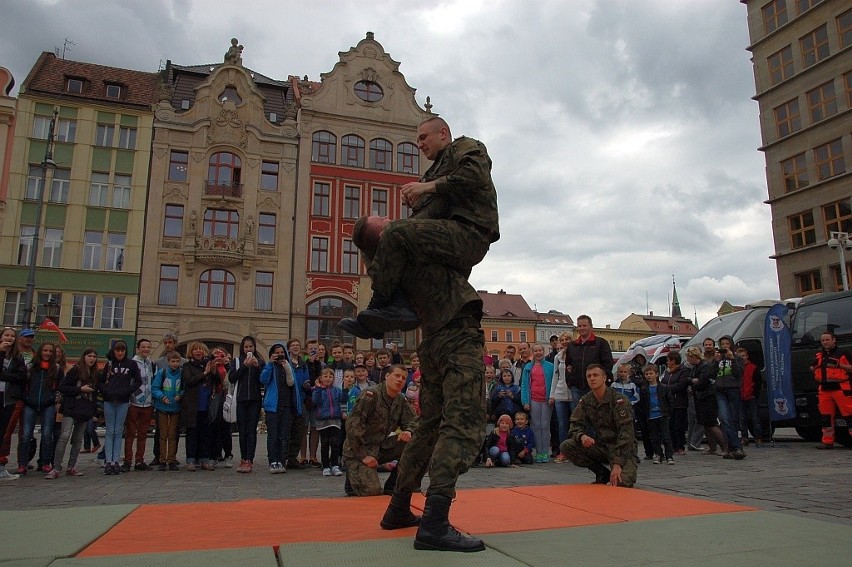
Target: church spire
{"type": "Point", "coordinates": [675, 303]}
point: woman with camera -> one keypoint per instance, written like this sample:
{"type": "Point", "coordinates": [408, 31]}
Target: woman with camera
{"type": "Point", "coordinates": [281, 402]}
{"type": "Point", "coordinates": [198, 376]}
{"type": "Point", "coordinates": [245, 375]}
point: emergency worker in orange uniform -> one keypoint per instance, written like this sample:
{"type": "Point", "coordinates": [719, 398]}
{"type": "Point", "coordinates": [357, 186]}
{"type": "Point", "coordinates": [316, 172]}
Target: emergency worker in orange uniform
{"type": "Point", "coordinates": [831, 370]}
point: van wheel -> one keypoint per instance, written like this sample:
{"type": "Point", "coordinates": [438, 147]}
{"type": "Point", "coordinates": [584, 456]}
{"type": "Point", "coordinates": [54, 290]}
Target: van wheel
{"type": "Point", "coordinates": [841, 435]}
{"type": "Point", "coordinates": [810, 433]}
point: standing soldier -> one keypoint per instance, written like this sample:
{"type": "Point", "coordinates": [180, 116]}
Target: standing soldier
{"type": "Point", "coordinates": [377, 430]}
{"type": "Point", "coordinates": [831, 369]}
{"type": "Point", "coordinates": [601, 436]}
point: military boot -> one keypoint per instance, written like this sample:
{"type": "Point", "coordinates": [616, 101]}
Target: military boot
{"type": "Point", "coordinates": [353, 327]}
{"type": "Point", "coordinates": [390, 483]}
{"type": "Point", "coordinates": [602, 473]}
{"type": "Point", "coordinates": [385, 314]}
{"type": "Point", "coordinates": [399, 515]}
{"type": "Point", "coordinates": [435, 532]}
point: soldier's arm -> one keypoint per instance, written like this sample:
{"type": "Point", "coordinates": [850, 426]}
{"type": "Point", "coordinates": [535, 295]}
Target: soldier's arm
{"type": "Point", "coordinates": [625, 436]}
{"type": "Point", "coordinates": [408, 420]}
{"type": "Point", "coordinates": [473, 169]}
{"type": "Point", "coordinates": [578, 422]}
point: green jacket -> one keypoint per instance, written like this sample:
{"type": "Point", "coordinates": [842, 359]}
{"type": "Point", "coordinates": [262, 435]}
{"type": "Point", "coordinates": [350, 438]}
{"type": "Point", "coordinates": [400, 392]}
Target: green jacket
{"type": "Point", "coordinates": [608, 421]}
{"type": "Point", "coordinates": [373, 418]}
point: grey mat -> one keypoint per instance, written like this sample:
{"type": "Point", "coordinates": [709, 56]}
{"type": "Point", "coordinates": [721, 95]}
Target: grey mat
{"type": "Point", "coordinates": [247, 556]}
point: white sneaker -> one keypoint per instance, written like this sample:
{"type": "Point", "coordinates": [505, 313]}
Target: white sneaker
{"type": "Point", "coordinates": [336, 471]}
{"type": "Point", "coordinates": [6, 475]}
{"type": "Point", "coordinates": [228, 463]}
{"type": "Point", "coordinates": [326, 472]}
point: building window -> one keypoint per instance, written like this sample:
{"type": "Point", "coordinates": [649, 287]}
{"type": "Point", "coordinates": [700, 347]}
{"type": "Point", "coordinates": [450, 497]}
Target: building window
{"type": "Point", "coordinates": [34, 179]}
{"type": "Point", "coordinates": [323, 147]}
{"type": "Point", "coordinates": [838, 217]}
{"type": "Point", "coordinates": [522, 336]}
{"type": "Point", "coordinates": [93, 241]}
{"type": "Point", "coordinates": [774, 15]}
{"type": "Point", "coordinates": [787, 118]}
{"type": "Point", "coordinates": [25, 245]}
{"type": "Point", "coordinates": [494, 338]}
{"type": "Point", "coordinates": [780, 65]}
{"type": "Point", "coordinates": [115, 251]}
{"type": "Point", "coordinates": [381, 154]}
{"type": "Point", "coordinates": [510, 337]}
{"type": "Point", "coordinates": [173, 221]}
{"type": "Point", "coordinates": [829, 159]}
{"type": "Point", "coordinates": [223, 175]}
{"type": "Point", "coordinates": [178, 165]}
{"type": "Point", "coordinates": [121, 192]}
{"type": "Point", "coordinates": [112, 313]}
{"type": "Point", "coordinates": [794, 171]}
{"type": "Point", "coordinates": [847, 82]}
{"type": "Point", "coordinates": [407, 158]}
{"type": "Point", "coordinates": [844, 28]}
{"type": "Point", "coordinates": [167, 294]}
{"type": "Point", "coordinates": [809, 282]}
{"type": "Point", "coordinates": [216, 289]}
{"type": "Point", "coordinates": [319, 254]}
{"type": "Point", "coordinates": [74, 86]}
{"type": "Point", "coordinates": [221, 222]}
{"type": "Point", "coordinates": [822, 102]}
{"type": "Point", "coordinates": [230, 93]}
{"type": "Point", "coordinates": [51, 252]}
{"type": "Point", "coordinates": [269, 176]}
{"type": "Point", "coordinates": [804, 5]}
{"type": "Point", "coordinates": [60, 186]}
{"type": "Point", "coordinates": [266, 228]}
{"type": "Point", "coordinates": [323, 316]}
{"type": "Point", "coordinates": [113, 91]}
{"type": "Point", "coordinates": [368, 91]}
{"type": "Point", "coordinates": [322, 196]}
{"type": "Point", "coordinates": [404, 210]}
{"type": "Point", "coordinates": [13, 310]}
{"type": "Point", "coordinates": [379, 204]}
{"type": "Point", "coordinates": [99, 190]}
{"type": "Point", "coordinates": [350, 257]}
{"type": "Point", "coordinates": [814, 46]}
{"type": "Point", "coordinates": [802, 232]}
{"type": "Point", "coordinates": [837, 276]}
{"type": "Point", "coordinates": [127, 138]}
{"type": "Point", "coordinates": [104, 134]}
{"type": "Point", "coordinates": [263, 291]}
{"type": "Point", "coordinates": [65, 130]}
{"type": "Point", "coordinates": [83, 311]}
{"type": "Point", "coordinates": [352, 151]}
{"type": "Point", "coordinates": [351, 202]}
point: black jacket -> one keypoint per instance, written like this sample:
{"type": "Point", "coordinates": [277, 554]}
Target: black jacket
{"type": "Point", "coordinates": [583, 354]}
{"type": "Point", "coordinates": [118, 380]}
{"type": "Point", "coordinates": [76, 404]}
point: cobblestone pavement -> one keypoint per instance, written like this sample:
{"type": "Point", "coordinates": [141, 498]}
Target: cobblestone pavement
{"type": "Point", "coordinates": [790, 477]}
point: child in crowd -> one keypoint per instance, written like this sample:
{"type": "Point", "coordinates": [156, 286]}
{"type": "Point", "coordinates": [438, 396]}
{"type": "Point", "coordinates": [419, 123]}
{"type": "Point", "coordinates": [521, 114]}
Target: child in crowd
{"type": "Point", "coordinates": [328, 400]}
{"type": "Point", "coordinates": [412, 393]}
{"type": "Point", "coordinates": [505, 396]}
{"type": "Point", "coordinates": [657, 408]}
{"type": "Point", "coordinates": [749, 389]}
{"type": "Point", "coordinates": [526, 437]}
{"type": "Point", "coordinates": [501, 445]}
{"type": "Point", "coordinates": [167, 391]}
{"type": "Point", "coordinates": [348, 385]}
{"type": "Point", "coordinates": [78, 407]}
{"type": "Point", "coordinates": [624, 384]}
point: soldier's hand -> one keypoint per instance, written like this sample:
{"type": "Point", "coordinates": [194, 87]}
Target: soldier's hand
{"type": "Point", "coordinates": [370, 461]}
{"type": "Point", "coordinates": [587, 441]}
{"type": "Point", "coordinates": [615, 475]}
{"type": "Point", "coordinates": [405, 436]}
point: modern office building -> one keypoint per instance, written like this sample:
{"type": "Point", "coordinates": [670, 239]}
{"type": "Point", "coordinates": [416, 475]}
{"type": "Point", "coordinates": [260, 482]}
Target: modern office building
{"type": "Point", "coordinates": [802, 56]}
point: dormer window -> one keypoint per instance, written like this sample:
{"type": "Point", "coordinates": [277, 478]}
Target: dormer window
{"type": "Point", "coordinates": [74, 86]}
{"type": "Point", "coordinates": [113, 91]}
{"type": "Point", "coordinates": [230, 94]}
{"type": "Point", "coordinates": [368, 91]}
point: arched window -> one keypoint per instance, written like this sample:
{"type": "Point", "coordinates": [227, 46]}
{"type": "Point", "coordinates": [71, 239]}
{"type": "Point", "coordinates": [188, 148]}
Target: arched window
{"type": "Point", "coordinates": [324, 147]}
{"type": "Point", "coordinates": [322, 317]}
{"type": "Point", "coordinates": [223, 175]}
{"type": "Point", "coordinates": [381, 153]}
{"type": "Point", "coordinates": [352, 151]}
{"type": "Point", "coordinates": [407, 158]}
{"type": "Point", "coordinates": [216, 289]}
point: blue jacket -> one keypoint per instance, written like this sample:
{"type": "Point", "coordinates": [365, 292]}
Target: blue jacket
{"type": "Point", "coordinates": [525, 380]}
{"type": "Point", "coordinates": [328, 402]}
{"type": "Point", "coordinates": [167, 384]}
{"type": "Point", "coordinates": [509, 404]}
{"type": "Point", "coordinates": [271, 378]}
{"type": "Point", "coordinates": [526, 435]}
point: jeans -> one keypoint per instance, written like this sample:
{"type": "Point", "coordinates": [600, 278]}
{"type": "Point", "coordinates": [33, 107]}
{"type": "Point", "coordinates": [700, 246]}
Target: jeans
{"type": "Point", "coordinates": [677, 428]}
{"type": "Point", "coordinates": [498, 457]}
{"type": "Point", "coordinates": [278, 434]}
{"type": "Point", "coordinates": [659, 436]}
{"type": "Point", "coordinates": [198, 440]}
{"type": "Point", "coordinates": [248, 414]}
{"type": "Point", "coordinates": [749, 420]}
{"type": "Point", "coordinates": [540, 422]}
{"type": "Point", "coordinates": [90, 438]}
{"type": "Point", "coordinates": [728, 401]}
{"type": "Point", "coordinates": [48, 416]}
{"type": "Point", "coordinates": [563, 416]}
{"type": "Point", "coordinates": [115, 414]}
{"type": "Point", "coordinates": [576, 394]}
{"type": "Point", "coordinates": [329, 446]}
{"type": "Point", "coordinates": [76, 438]}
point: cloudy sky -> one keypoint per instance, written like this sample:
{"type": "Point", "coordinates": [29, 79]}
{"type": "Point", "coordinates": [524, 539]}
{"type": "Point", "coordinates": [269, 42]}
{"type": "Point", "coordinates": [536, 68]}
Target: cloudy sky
{"type": "Point", "coordinates": [623, 133]}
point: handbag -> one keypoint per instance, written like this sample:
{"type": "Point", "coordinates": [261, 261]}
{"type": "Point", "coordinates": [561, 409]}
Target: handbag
{"type": "Point", "coordinates": [229, 406]}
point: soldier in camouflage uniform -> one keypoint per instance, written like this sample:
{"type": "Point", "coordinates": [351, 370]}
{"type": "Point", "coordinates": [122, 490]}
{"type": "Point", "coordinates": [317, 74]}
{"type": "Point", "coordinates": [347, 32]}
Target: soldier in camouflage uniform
{"type": "Point", "coordinates": [379, 411]}
{"type": "Point", "coordinates": [601, 434]}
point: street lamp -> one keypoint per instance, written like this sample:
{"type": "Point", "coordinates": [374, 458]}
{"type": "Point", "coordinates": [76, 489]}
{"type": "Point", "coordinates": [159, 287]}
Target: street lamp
{"type": "Point", "coordinates": [51, 310]}
{"type": "Point", "coordinates": [841, 242]}
{"type": "Point", "coordinates": [45, 165]}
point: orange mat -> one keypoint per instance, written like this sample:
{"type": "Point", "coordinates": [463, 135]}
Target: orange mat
{"type": "Point", "coordinates": [250, 523]}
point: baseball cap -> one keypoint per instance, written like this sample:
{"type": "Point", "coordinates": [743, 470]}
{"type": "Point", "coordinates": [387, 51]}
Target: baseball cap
{"type": "Point", "coordinates": [27, 333]}
{"type": "Point", "coordinates": [360, 365]}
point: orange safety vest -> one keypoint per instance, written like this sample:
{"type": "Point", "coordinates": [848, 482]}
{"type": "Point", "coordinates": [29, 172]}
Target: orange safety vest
{"type": "Point", "coordinates": [830, 374]}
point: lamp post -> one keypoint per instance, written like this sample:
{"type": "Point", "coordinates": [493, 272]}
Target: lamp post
{"type": "Point", "coordinates": [51, 310]}
{"type": "Point", "coordinates": [841, 242]}
{"type": "Point", "coordinates": [45, 165]}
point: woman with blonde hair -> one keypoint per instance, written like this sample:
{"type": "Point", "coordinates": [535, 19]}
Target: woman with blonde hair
{"type": "Point", "coordinates": [198, 376]}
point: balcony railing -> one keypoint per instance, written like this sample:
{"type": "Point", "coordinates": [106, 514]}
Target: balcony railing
{"type": "Point", "coordinates": [223, 189]}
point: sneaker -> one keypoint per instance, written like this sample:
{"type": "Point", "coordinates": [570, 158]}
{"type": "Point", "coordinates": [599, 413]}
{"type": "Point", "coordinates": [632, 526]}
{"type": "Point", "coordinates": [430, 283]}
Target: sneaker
{"type": "Point", "coordinates": [326, 472]}
{"type": "Point", "coordinates": [315, 463]}
{"type": "Point", "coordinates": [680, 452]}
{"type": "Point", "coordinates": [52, 474]}
{"type": "Point", "coordinates": [125, 467]}
{"type": "Point", "coordinates": [739, 454]}
{"type": "Point", "coordinates": [693, 447]}
{"type": "Point", "coordinates": [669, 461]}
{"type": "Point", "coordinates": [22, 470]}
{"type": "Point", "coordinates": [658, 459]}
{"type": "Point", "coordinates": [73, 472]}
{"type": "Point", "coordinates": [108, 470]}
{"type": "Point", "coordinates": [228, 463]}
{"type": "Point", "coordinates": [727, 455]}
{"type": "Point", "coordinates": [649, 457]}
{"type": "Point", "coordinates": [162, 467]}
{"type": "Point", "coordinates": [6, 475]}
{"type": "Point", "coordinates": [142, 467]}
{"type": "Point", "coordinates": [336, 471]}
{"type": "Point", "coordinates": [100, 462]}
{"type": "Point", "coordinates": [46, 469]}
{"type": "Point", "coordinates": [174, 467]}
{"type": "Point", "coordinates": [208, 467]}
{"type": "Point", "coordinates": [560, 458]}
{"type": "Point", "coordinates": [190, 467]}
{"type": "Point", "coordinates": [273, 468]}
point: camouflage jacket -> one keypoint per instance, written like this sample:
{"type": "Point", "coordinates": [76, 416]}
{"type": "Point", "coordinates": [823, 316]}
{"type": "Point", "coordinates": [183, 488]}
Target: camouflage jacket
{"type": "Point", "coordinates": [373, 418]}
{"type": "Point", "coordinates": [608, 421]}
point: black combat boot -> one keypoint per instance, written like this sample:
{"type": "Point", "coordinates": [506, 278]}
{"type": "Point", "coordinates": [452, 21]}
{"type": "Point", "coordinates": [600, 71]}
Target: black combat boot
{"type": "Point", "coordinates": [385, 314]}
{"type": "Point", "coordinates": [602, 473]}
{"type": "Point", "coordinates": [352, 326]}
{"type": "Point", "coordinates": [399, 515]}
{"type": "Point", "coordinates": [390, 483]}
{"type": "Point", "coordinates": [435, 532]}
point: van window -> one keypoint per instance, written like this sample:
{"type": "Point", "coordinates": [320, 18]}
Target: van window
{"type": "Point", "coordinates": [812, 320]}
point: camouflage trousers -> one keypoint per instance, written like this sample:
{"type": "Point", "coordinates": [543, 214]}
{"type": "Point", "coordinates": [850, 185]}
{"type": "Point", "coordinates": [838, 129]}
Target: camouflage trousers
{"type": "Point", "coordinates": [365, 480]}
{"type": "Point", "coordinates": [583, 457]}
{"type": "Point", "coordinates": [452, 409]}
{"type": "Point", "coordinates": [452, 244]}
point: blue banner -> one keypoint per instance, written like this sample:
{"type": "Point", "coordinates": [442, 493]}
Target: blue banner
{"type": "Point", "coordinates": [779, 376]}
